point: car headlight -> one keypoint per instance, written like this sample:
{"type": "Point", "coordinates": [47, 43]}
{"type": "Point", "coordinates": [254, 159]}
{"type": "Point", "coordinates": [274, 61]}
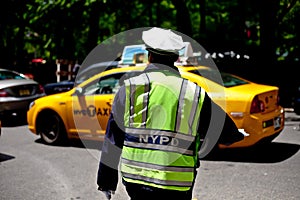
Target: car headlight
{"type": "Point", "coordinates": [31, 104]}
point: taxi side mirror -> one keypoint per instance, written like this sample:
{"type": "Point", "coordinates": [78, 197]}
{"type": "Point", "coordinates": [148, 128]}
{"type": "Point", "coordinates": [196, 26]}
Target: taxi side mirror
{"type": "Point", "coordinates": [78, 91]}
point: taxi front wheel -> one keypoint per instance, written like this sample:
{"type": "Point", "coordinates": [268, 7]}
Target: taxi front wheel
{"type": "Point", "coordinates": [51, 129]}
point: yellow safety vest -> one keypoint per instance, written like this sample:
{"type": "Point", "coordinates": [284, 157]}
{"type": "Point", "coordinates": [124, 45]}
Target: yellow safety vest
{"type": "Point", "coordinates": [161, 120]}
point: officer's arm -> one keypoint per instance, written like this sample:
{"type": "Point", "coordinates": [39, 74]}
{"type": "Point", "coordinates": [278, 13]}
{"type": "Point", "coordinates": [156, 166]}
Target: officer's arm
{"type": "Point", "coordinates": [112, 147]}
{"type": "Point", "coordinates": [230, 133]}
{"type": "Point", "coordinates": [217, 123]}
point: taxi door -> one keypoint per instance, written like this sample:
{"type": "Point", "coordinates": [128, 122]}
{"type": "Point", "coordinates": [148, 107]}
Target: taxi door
{"type": "Point", "coordinates": [90, 108]}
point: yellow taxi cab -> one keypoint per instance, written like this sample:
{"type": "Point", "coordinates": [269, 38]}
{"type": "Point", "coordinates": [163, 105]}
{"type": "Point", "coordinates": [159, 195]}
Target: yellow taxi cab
{"type": "Point", "coordinates": [82, 112]}
{"type": "Point", "coordinates": [254, 108]}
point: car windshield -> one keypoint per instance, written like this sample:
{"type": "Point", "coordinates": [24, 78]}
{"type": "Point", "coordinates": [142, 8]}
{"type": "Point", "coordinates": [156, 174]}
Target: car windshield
{"type": "Point", "coordinates": [228, 80]}
{"type": "Point", "coordinates": [87, 72]}
{"type": "Point", "coordinates": [4, 75]}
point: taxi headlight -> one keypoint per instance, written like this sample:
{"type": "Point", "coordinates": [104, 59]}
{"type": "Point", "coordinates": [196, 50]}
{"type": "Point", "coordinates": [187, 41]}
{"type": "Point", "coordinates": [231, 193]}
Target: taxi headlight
{"type": "Point", "coordinates": [31, 104]}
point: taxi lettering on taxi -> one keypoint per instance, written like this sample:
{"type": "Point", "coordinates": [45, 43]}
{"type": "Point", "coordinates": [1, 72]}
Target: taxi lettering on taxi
{"type": "Point", "coordinates": [92, 111]}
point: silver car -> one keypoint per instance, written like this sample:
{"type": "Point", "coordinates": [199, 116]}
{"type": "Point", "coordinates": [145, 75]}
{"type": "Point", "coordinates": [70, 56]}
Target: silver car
{"type": "Point", "coordinates": [17, 91]}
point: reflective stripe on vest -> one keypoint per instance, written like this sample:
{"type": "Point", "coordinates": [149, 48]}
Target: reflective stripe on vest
{"type": "Point", "coordinates": [160, 147]}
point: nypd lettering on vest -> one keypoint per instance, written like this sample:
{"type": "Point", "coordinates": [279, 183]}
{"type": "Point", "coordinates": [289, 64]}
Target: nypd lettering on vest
{"type": "Point", "coordinates": [158, 139]}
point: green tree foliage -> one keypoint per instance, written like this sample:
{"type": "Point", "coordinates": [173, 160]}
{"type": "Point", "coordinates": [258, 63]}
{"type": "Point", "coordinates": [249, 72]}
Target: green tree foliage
{"type": "Point", "coordinates": [55, 29]}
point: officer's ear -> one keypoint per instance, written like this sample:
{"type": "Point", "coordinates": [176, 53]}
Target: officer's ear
{"type": "Point", "coordinates": [150, 57]}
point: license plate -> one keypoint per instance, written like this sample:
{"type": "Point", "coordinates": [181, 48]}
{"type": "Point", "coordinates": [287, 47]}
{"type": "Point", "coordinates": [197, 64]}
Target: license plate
{"type": "Point", "coordinates": [277, 122]}
{"type": "Point", "coordinates": [24, 92]}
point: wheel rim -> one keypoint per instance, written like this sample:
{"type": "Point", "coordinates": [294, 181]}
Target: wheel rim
{"type": "Point", "coordinates": [50, 130]}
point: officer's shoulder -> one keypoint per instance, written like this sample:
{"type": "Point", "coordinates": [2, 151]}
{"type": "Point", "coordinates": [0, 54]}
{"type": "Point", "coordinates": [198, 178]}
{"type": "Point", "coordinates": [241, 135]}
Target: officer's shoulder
{"type": "Point", "coordinates": [130, 75]}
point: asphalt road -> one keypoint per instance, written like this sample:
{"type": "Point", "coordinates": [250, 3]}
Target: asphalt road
{"type": "Point", "coordinates": [32, 170]}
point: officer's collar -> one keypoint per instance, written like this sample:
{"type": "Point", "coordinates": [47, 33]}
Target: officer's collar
{"type": "Point", "coordinates": [158, 67]}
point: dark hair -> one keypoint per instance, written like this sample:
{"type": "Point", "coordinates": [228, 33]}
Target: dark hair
{"type": "Point", "coordinates": [166, 59]}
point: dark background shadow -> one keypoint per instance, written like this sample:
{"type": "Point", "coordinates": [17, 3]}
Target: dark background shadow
{"type": "Point", "coordinates": [12, 121]}
{"type": "Point", "coordinates": [268, 153]}
{"type": "Point", "coordinates": [5, 157]}
{"type": "Point", "coordinates": [89, 144]}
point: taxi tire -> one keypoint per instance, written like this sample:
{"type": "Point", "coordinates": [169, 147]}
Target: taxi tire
{"type": "Point", "coordinates": [51, 129]}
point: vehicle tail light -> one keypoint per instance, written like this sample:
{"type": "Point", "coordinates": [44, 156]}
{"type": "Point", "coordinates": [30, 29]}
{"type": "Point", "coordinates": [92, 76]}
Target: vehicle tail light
{"type": "Point", "coordinates": [3, 93]}
{"type": "Point", "coordinates": [41, 89]}
{"type": "Point", "coordinates": [278, 98]}
{"type": "Point", "coordinates": [257, 106]}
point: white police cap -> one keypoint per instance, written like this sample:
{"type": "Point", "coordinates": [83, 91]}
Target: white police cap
{"type": "Point", "coordinates": [162, 41]}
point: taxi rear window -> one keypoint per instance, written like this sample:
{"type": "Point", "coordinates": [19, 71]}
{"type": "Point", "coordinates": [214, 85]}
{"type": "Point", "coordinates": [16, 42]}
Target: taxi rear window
{"type": "Point", "coordinates": [228, 80]}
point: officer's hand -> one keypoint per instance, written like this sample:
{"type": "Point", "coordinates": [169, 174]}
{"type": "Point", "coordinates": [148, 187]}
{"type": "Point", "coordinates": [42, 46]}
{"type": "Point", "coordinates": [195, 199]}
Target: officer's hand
{"type": "Point", "coordinates": [108, 193]}
{"type": "Point", "coordinates": [244, 132]}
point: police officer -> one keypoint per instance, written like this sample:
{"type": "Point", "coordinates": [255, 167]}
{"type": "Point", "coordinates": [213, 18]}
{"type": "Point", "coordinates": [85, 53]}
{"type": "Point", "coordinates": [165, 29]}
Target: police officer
{"type": "Point", "coordinates": [155, 126]}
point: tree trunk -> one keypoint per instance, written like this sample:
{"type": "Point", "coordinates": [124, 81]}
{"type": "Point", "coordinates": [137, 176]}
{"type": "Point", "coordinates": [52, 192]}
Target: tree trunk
{"type": "Point", "coordinates": [94, 25]}
{"type": "Point", "coordinates": [268, 10]}
{"type": "Point", "coordinates": [183, 17]}
{"type": "Point", "coordinates": [202, 4]}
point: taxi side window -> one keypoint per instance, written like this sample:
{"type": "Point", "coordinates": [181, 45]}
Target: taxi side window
{"type": "Point", "coordinates": [90, 89]}
{"type": "Point", "coordinates": [106, 85]}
